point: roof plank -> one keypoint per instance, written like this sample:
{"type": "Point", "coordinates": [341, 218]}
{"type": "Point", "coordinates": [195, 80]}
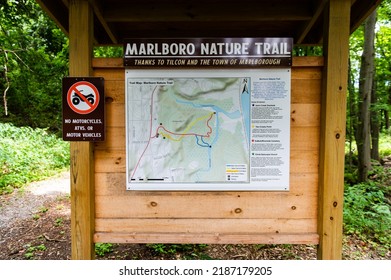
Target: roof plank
{"type": "Point", "coordinates": [308, 25]}
{"type": "Point", "coordinates": [116, 20]}
{"type": "Point", "coordinates": [99, 14]}
{"type": "Point", "coordinates": [208, 11]}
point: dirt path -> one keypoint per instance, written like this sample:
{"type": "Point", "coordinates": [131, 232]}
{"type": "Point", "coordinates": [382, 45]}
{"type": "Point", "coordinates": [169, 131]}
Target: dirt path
{"type": "Point", "coordinates": [26, 202]}
{"type": "Point", "coordinates": [35, 220]}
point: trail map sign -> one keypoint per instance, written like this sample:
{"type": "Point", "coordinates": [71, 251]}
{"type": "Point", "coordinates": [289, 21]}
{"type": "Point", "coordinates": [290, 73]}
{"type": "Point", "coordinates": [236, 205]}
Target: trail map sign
{"type": "Point", "coordinates": [83, 109]}
{"type": "Point", "coordinates": [203, 128]}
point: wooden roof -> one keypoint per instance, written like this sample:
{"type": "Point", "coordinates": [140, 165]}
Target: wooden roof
{"type": "Point", "coordinates": [116, 20]}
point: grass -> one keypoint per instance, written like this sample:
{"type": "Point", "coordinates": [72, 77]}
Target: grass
{"type": "Point", "coordinates": [385, 145]}
{"type": "Point", "coordinates": [28, 155]}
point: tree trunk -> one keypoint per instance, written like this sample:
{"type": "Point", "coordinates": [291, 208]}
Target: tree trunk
{"type": "Point", "coordinates": [352, 125]}
{"type": "Point", "coordinates": [374, 123]}
{"type": "Point", "coordinates": [387, 113]}
{"type": "Point", "coordinates": [365, 88]}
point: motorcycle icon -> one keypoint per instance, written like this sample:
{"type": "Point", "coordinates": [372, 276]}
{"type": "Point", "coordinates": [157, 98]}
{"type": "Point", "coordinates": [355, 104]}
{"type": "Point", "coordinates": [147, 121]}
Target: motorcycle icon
{"type": "Point", "coordinates": [76, 98]}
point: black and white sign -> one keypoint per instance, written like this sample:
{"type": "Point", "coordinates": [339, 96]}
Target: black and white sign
{"type": "Point", "coordinates": [83, 109]}
{"type": "Point", "coordinates": [196, 53]}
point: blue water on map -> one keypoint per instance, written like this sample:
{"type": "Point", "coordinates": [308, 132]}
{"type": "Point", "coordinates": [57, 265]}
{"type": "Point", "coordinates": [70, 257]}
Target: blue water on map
{"type": "Point", "coordinates": [231, 115]}
{"type": "Point", "coordinates": [245, 99]}
{"type": "Point", "coordinates": [244, 113]}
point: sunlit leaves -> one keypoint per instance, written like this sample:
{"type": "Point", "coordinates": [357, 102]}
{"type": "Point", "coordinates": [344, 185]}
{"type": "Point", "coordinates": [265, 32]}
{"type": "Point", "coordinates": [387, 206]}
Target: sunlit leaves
{"type": "Point", "coordinates": [33, 60]}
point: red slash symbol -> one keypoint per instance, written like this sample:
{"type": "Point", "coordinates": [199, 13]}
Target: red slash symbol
{"type": "Point", "coordinates": [83, 97]}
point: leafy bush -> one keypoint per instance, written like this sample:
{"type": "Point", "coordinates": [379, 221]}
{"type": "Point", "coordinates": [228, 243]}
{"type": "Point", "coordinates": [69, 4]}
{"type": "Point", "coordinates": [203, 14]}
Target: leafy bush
{"type": "Point", "coordinates": [30, 251]}
{"type": "Point", "coordinates": [190, 251]}
{"type": "Point", "coordinates": [367, 211]}
{"type": "Point", "coordinates": [103, 248]}
{"type": "Point", "coordinates": [28, 154]}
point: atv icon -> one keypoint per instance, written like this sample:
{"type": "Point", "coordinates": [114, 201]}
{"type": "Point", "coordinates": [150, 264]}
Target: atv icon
{"type": "Point", "coordinates": [76, 98]}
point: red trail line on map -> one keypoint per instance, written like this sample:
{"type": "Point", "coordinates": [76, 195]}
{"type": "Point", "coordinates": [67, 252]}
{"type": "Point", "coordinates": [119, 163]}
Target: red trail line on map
{"type": "Point", "coordinates": [150, 131]}
{"type": "Point", "coordinates": [162, 127]}
{"type": "Point", "coordinates": [186, 134]}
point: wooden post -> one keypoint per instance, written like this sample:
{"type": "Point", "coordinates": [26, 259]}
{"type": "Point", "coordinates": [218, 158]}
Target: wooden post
{"type": "Point", "coordinates": [333, 121]}
{"type": "Point", "coordinates": [82, 160]}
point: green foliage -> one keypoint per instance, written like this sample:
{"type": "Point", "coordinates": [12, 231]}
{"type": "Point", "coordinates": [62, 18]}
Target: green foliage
{"type": "Point", "coordinates": [43, 209]}
{"type": "Point", "coordinates": [190, 251]}
{"type": "Point", "coordinates": [385, 145]}
{"type": "Point", "coordinates": [351, 161]}
{"type": "Point", "coordinates": [58, 222]}
{"type": "Point", "coordinates": [307, 51]}
{"type": "Point", "coordinates": [31, 250]}
{"type": "Point", "coordinates": [103, 248]}
{"type": "Point", "coordinates": [367, 211]}
{"type": "Point", "coordinates": [367, 208]}
{"type": "Point", "coordinates": [381, 101]}
{"type": "Point", "coordinates": [28, 154]}
{"type": "Point", "coordinates": [33, 60]}
{"type": "Point", "coordinates": [108, 51]}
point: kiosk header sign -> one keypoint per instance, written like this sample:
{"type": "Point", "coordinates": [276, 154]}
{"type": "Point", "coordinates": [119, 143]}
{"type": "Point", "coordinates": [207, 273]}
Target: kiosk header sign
{"type": "Point", "coordinates": [208, 53]}
{"type": "Point", "coordinates": [203, 129]}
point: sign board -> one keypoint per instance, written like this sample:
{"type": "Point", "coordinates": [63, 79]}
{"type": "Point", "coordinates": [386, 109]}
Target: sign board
{"type": "Point", "coordinates": [208, 53]}
{"type": "Point", "coordinates": [203, 129]}
{"type": "Point", "coordinates": [83, 109]}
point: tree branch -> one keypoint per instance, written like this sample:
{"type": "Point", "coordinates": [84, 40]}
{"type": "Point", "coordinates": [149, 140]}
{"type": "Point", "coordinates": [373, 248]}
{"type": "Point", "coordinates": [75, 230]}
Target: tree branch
{"type": "Point", "coordinates": [7, 82]}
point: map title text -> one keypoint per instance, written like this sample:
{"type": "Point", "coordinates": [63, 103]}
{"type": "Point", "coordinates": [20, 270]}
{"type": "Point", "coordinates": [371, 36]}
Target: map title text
{"type": "Point", "coordinates": [208, 52]}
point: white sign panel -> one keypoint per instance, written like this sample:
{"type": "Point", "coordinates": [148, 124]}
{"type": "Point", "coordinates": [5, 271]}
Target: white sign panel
{"type": "Point", "coordinates": [226, 129]}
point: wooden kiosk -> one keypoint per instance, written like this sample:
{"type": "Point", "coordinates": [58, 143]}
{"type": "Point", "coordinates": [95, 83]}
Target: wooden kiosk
{"type": "Point", "coordinates": [309, 213]}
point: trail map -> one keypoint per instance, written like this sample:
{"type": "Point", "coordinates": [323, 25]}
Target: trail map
{"type": "Point", "coordinates": [191, 131]}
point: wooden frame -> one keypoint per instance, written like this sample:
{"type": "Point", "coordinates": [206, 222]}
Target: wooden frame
{"type": "Point", "coordinates": [213, 217]}
{"type": "Point", "coordinates": [82, 160]}
{"type": "Point", "coordinates": [145, 217]}
{"type": "Point", "coordinates": [332, 145]}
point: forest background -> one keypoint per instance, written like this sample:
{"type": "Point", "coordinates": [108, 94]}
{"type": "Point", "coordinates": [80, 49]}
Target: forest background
{"type": "Point", "coordinates": [34, 59]}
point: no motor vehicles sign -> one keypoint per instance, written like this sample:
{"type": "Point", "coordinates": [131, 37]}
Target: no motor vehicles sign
{"type": "Point", "coordinates": [83, 97]}
{"type": "Point", "coordinates": [83, 109]}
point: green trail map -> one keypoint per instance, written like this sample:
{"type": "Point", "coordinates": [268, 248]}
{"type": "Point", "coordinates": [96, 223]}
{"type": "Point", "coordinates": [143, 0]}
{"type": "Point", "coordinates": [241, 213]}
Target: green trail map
{"type": "Point", "coordinates": [188, 130]}
{"type": "Point", "coordinates": [208, 130]}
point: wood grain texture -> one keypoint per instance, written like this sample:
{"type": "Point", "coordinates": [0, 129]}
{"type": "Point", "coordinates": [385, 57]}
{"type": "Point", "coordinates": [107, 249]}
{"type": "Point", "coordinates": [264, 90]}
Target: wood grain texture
{"type": "Point", "coordinates": [210, 217]}
{"type": "Point", "coordinates": [210, 238]}
{"type": "Point", "coordinates": [282, 226]}
{"type": "Point", "coordinates": [82, 160]}
{"type": "Point", "coordinates": [114, 184]}
{"type": "Point", "coordinates": [332, 140]}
